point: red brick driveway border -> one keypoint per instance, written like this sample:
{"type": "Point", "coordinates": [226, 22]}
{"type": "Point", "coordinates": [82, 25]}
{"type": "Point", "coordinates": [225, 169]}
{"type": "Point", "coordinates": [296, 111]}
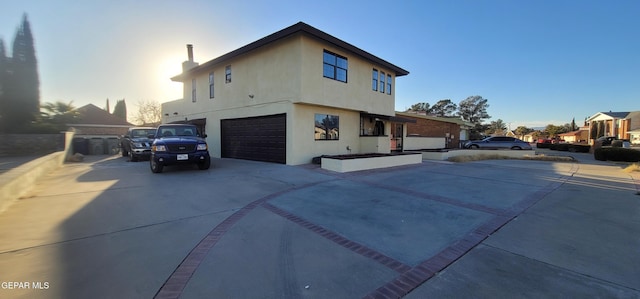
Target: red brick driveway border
{"type": "Point", "coordinates": [409, 278]}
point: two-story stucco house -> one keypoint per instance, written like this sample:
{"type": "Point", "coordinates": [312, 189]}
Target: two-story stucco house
{"type": "Point", "coordinates": [288, 97]}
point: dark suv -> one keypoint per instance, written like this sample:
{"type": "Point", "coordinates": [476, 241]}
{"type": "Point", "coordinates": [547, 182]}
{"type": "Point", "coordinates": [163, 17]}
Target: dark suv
{"type": "Point", "coordinates": [137, 144]}
{"type": "Point", "coordinates": [178, 144]}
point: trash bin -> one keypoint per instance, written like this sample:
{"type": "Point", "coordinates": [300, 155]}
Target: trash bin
{"type": "Point", "coordinates": [81, 145]}
{"type": "Point", "coordinates": [96, 146]}
{"type": "Point", "coordinates": [111, 145]}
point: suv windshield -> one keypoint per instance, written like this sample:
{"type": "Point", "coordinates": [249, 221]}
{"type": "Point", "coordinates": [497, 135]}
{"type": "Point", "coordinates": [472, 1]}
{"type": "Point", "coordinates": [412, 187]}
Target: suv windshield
{"type": "Point", "coordinates": [178, 131]}
{"type": "Point", "coordinates": [142, 133]}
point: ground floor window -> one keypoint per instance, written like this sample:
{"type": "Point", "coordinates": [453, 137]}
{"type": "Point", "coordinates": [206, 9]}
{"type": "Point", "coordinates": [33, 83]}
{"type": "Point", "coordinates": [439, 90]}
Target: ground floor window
{"type": "Point", "coordinates": [371, 126]}
{"type": "Point", "coordinates": [327, 127]}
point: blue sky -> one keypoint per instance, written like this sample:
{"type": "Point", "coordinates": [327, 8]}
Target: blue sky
{"type": "Point", "coordinates": [537, 62]}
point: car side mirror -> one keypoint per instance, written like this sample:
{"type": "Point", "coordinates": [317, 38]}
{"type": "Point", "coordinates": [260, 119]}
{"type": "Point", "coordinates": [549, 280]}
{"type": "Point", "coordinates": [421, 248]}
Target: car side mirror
{"type": "Point", "coordinates": [204, 136]}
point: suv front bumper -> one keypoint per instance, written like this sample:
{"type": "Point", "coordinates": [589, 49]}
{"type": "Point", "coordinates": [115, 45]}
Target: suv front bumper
{"type": "Point", "coordinates": [171, 158]}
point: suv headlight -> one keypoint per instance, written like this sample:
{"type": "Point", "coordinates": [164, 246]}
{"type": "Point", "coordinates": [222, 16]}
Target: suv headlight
{"type": "Point", "coordinates": [159, 148]}
{"type": "Point", "coordinates": [202, 147]}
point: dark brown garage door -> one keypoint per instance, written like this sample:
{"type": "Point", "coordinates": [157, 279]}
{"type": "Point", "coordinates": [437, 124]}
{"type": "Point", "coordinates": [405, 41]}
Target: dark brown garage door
{"type": "Point", "coordinates": [260, 138]}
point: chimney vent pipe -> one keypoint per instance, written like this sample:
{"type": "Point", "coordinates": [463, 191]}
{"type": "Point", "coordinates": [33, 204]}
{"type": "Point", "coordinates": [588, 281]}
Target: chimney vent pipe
{"type": "Point", "coordinates": [190, 52]}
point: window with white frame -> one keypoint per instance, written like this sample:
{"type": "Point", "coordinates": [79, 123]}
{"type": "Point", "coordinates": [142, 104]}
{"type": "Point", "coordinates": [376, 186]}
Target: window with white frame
{"type": "Point", "coordinates": [382, 77]}
{"type": "Point", "coordinates": [388, 84]}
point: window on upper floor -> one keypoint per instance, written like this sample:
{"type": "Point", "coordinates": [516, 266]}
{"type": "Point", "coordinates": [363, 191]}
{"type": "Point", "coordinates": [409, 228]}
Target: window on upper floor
{"type": "Point", "coordinates": [388, 84]}
{"type": "Point", "coordinates": [374, 80]}
{"type": "Point", "coordinates": [334, 66]}
{"type": "Point", "coordinates": [211, 85]}
{"type": "Point", "coordinates": [227, 74]}
{"type": "Point", "coordinates": [193, 90]}
{"type": "Point", "coordinates": [382, 76]}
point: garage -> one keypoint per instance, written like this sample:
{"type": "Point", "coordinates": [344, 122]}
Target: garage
{"type": "Point", "coordinates": [262, 138]}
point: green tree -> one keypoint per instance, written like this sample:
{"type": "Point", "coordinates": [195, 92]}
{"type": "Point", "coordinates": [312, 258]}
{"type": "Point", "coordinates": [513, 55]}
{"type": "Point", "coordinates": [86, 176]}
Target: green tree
{"type": "Point", "coordinates": [54, 117]}
{"type": "Point", "coordinates": [474, 110]}
{"type": "Point", "coordinates": [120, 110]}
{"type": "Point", "coordinates": [520, 131]}
{"type": "Point", "coordinates": [496, 127]}
{"type": "Point", "coordinates": [573, 125]}
{"type": "Point", "coordinates": [22, 92]}
{"type": "Point", "coordinates": [420, 107]}
{"type": "Point", "coordinates": [443, 108]}
{"type": "Point", "coordinates": [553, 130]}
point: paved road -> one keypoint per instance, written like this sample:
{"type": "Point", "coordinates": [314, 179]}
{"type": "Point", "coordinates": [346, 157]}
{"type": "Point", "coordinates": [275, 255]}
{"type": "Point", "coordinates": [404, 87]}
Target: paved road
{"type": "Point", "coordinates": [107, 228]}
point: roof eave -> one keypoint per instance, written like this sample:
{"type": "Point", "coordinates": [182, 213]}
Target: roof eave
{"type": "Point", "coordinates": [298, 28]}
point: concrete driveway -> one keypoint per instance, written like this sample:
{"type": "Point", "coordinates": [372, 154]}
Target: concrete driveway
{"type": "Point", "coordinates": [107, 228]}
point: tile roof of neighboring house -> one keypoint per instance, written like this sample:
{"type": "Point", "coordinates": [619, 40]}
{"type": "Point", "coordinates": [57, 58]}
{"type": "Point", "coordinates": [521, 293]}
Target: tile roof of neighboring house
{"type": "Point", "coordinates": [299, 28]}
{"type": "Point", "coordinates": [616, 114]}
{"type": "Point", "coordinates": [92, 115]}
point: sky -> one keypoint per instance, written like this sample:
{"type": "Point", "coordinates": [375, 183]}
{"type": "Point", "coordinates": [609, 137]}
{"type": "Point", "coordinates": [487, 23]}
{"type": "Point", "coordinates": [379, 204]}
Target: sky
{"type": "Point", "coordinates": [536, 62]}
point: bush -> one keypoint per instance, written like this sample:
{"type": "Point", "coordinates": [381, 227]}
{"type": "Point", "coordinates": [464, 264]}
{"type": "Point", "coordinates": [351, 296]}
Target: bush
{"type": "Point", "coordinates": [559, 147]}
{"type": "Point", "coordinates": [543, 145]}
{"type": "Point", "coordinates": [616, 154]}
{"type": "Point", "coordinates": [579, 148]}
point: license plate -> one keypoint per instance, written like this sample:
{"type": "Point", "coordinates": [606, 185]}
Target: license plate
{"type": "Point", "coordinates": [183, 157]}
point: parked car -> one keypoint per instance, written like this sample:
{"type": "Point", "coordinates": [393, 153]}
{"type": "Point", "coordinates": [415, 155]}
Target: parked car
{"type": "Point", "coordinates": [179, 144]}
{"type": "Point", "coordinates": [606, 140]}
{"type": "Point", "coordinates": [498, 142]}
{"type": "Point", "coordinates": [137, 144]}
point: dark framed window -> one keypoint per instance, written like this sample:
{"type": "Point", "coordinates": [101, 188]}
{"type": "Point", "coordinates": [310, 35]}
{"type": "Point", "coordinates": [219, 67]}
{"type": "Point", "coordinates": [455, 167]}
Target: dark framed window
{"type": "Point", "coordinates": [334, 66]}
{"type": "Point", "coordinates": [193, 90]}
{"type": "Point", "coordinates": [382, 83]}
{"type": "Point", "coordinates": [327, 127]}
{"type": "Point", "coordinates": [211, 85]}
{"type": "Point", "coordinates": [388, 84]}
{"type": "Point", "coordinates": [374, 80]}
{"type": "Point", "coordinates": [227, 74]}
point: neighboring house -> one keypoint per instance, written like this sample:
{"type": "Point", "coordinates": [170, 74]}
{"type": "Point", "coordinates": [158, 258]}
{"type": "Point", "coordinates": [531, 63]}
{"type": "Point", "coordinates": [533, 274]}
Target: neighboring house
{"type": "Point", "coordinates": [580, 135]}
{"type": "Point", "coordinates": [96, 121]}
{"type": "Point", "coordinates": [433, 132]}
{"type": "Point", "coordinates": [97, 131]}
{"type": "Point", "coordinates": [288, 97]}
{"type": "Point", "coordinates": [618, 124]}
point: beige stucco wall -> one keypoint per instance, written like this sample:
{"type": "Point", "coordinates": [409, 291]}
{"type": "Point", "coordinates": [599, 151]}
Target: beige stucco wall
{"type": "Point", "coordinates": [303, 143]}
{"type": "Point", "coordinates": [356, 94]}
{"type": "Point", "coordinates": [286, 77]}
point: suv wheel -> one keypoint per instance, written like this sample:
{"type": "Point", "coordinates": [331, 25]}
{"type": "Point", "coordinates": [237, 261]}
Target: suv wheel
{"type": "Point", "coordinates": [132, 157]}
{"type": "Point", "coordinates": [516, 148]}
{"type": "Point", "coordinates": [474, 146]}
{"type": "Point", "coordinates": [155, 166]}
{"type": "Point", "coordinates": [205, 165]}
